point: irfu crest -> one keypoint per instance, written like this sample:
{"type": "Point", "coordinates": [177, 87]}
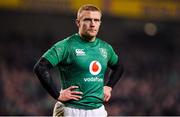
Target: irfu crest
{"type": "Point", "coordinates": [103, 52]}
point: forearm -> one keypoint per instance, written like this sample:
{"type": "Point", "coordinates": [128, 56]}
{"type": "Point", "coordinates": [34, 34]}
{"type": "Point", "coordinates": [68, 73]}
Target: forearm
{"type": "Point", "coordinates": [115, 75]}
{"type": "Point", "coordinates": [42, 71]}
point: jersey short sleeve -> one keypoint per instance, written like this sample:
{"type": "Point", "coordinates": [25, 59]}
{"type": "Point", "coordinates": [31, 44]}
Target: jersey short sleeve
{"type": "Point", "coordinates": [113, 57]}
{"type": "Point", "coordinates": [56, 53]}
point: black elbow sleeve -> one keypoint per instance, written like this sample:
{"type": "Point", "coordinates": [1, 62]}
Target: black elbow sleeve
{"type": "Point", "coordinates": [42, 71]}
{"type": "Point", "coordinates": [115, 75]}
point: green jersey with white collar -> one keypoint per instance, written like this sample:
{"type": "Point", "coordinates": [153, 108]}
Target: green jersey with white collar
{"type": "Point", "coordinates": [83, 64]}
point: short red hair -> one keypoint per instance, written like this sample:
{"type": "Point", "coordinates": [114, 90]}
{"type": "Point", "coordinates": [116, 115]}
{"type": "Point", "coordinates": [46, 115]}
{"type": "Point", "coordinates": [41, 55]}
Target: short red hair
{"type": "Point", "coordinates": [88, 7]}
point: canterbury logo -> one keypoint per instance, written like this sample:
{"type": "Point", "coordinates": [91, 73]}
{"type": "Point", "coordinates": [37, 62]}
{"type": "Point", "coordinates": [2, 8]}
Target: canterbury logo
{"type": "Point", "coordinates": [95, 67]}
{"type": "Point", "coordinates": [80, 52]}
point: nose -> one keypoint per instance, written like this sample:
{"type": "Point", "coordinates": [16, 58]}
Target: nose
{"type": "Point", "coordinates": [92, 23]}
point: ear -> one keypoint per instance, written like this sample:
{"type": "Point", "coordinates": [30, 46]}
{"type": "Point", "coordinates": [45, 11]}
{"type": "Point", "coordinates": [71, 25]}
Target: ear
{"type": "Point", "coordinates": [77, 22]}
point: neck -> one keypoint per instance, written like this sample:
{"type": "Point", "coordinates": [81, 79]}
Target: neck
{"type": "Point", "coordinates": [87, 38]}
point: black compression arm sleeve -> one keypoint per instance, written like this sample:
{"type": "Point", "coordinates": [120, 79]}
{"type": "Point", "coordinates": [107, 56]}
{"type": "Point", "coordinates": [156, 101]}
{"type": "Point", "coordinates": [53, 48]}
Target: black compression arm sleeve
{"type": "Point", "coordinates": [42, 71]}
{"type": "Point", "coordinates": [117, 71]}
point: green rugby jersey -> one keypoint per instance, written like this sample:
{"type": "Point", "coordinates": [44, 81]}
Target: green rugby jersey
{"type": "Point", "coordinates": [82, 63]}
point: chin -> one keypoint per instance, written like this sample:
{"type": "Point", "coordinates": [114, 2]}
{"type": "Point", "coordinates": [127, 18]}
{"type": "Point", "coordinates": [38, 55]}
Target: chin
{"type": "Point", "coordinates": [88, 36]}
{"type": "Point", "coordinates": [92, 34]}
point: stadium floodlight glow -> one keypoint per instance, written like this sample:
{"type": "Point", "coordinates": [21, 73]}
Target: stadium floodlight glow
{"type": "Point", "coordinates": [150, 29]}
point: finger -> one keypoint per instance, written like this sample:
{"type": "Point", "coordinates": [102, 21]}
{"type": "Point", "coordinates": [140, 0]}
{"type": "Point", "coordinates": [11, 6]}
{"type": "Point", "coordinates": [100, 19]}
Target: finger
{"type": "Point", "coordinates": [73, 87]}
{"type": "Point", "coordinates": [76, 92]}
{"type": "Point", "coordinates": [107, 98]}
{"type": "Point", "coordinates": [75, 97]}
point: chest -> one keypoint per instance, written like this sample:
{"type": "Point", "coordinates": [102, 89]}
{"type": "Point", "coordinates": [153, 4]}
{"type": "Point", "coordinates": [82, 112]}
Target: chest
{"type": "Point", "coordinates": [88, 58]}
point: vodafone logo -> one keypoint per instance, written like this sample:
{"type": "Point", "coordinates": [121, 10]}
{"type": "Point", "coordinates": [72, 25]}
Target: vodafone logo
{"type": "Point", "coordinates": [95, 67]}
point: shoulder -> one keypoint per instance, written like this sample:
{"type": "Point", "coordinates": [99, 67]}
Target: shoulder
{"type": "Point", "coordinates": [108, 48]}
{"type": "Point", "coordinates": [104, 43]}
{"type": "Point", "coordinates": [65, 42]}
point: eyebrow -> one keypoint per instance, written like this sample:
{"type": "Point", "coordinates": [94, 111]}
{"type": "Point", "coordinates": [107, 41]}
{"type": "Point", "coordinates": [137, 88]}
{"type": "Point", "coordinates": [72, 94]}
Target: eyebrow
{"type": "Point", "coordinates": [96, 19]}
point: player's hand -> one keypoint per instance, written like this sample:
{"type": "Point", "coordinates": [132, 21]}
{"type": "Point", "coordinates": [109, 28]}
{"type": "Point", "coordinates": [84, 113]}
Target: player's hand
{"type": "Point", "coordinates": [69, 94]}
{"type": "Point", "coordinates": [107, 93]}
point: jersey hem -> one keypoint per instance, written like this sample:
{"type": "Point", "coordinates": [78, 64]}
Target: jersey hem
{"type": "Point", "coordinates": [82, 107]}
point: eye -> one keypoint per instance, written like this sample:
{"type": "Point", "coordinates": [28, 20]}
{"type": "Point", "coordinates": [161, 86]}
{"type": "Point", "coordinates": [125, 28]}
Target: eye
{"type": "Point", "coordinates": [88, 19]}
{"type": "Point", "coordinates": [96, 20]}
{"type": "Point", "coordinates": [91, 20]}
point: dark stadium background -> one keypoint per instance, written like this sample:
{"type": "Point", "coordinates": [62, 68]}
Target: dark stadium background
{"type": "Point", "coordinates": [145, 33]}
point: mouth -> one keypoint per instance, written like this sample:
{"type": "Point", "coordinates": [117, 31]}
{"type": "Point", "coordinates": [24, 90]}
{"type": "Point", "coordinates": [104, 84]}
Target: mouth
{"type": "Point", "coordinates": [92, 30]}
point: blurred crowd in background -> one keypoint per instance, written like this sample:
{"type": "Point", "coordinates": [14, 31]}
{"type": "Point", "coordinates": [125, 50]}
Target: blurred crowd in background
{"type": "Point", "coordinates": [148, 48]}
